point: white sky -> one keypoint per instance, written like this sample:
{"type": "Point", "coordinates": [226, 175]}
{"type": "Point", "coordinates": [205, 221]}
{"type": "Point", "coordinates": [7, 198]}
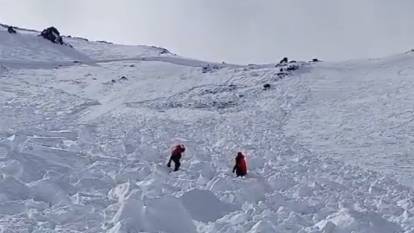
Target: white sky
{"type": "Point", "coordinates": [238, 31]}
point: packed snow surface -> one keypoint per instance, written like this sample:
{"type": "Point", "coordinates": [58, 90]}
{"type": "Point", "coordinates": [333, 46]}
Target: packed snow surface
{"type": "Point", "coordinates": [86, 131]}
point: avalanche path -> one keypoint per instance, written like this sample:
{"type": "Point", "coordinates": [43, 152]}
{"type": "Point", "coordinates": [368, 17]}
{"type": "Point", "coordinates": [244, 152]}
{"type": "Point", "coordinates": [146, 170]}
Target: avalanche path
{"type": "Point", "coordinates": [83, 148]}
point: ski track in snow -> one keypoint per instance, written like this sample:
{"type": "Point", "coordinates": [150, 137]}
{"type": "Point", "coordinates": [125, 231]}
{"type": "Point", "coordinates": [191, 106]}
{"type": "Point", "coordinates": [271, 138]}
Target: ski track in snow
{"type": "Point", "coordinates": [82, 153]}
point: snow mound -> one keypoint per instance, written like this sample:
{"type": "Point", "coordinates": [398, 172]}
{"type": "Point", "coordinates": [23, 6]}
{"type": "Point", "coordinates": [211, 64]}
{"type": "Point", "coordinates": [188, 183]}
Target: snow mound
{"type": "Point", "coordinates": [12, 189]}
{"type": "Point", "coordinates": [48, 192]}
{"type": "Point", "coordinates": [165, 214]}
{"type": "Point", "coordinates": [204, 206]}
{"type": "Point", "coordinates": [353, 221]}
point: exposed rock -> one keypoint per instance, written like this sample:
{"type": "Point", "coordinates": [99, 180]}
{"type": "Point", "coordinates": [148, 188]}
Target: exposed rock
{"type": "Point", "coordinates": [284, 60]}
{"type": "Point", "coordinates": [266, 86]}
{"type": "Point", "coordinates": [210, 68]}
{"type": "Point", "coordinates": [53, 35]}
{"type": "Point", "coordinates": [164, 51]}
{"type": "Point", "coordinates": [161, 50]}
{"type": "Point", "coordinates": [292, 68]}
{"type": "Point", "coordinates": [105, 42]}
{"type": "Point", "coordinates": [11, 30]}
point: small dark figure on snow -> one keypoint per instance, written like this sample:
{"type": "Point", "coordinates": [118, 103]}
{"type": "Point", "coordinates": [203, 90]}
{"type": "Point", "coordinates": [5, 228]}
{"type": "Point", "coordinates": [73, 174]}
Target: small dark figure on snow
{"type": "Point", "coordinates": [241, 166]}
{"type": "Point", "coordinates": [176, 156]}
{"type": "Point", "coordinates": [284, 60]}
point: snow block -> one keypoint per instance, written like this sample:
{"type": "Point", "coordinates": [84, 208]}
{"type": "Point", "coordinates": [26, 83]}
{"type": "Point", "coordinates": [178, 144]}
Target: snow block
{"type": "Point", "coordinates": [130, 217]}
{"type": "Point", "coordinates": [49, 192]}
{"type": "Point", "coordinates": [263, 226]}
{"type": "Point", "coordinates": [11, 168]}
{"type": "Point", "coordinates": [346, 220]}
{"type": "Point", "coordinates": [12, 189]}
{"type": "Point", "coordinates": [168, 214]}
{"type": "Point", "coordinates": [165, 214]}
{"type": "Point", "coordinates": [204, 206]}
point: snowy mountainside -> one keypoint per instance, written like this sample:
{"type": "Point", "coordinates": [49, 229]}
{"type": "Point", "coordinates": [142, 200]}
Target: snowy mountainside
{"type": "Point", "coordinates": [83, 145]}
{"type": "Point", "coordinates": [27, 46]}
{"type": "Point", "coordinates": [361, 111]}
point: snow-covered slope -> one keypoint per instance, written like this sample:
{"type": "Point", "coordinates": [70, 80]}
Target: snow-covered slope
{"type": "Point", "coordinates": [362, 112]}
{"type": "Point", "coordinates": [83, 145]}
{"type": "Point", "coordinates": [27, 46]}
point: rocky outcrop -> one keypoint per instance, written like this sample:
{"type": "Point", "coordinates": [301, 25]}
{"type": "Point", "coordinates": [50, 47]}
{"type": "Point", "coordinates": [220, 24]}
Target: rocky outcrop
{"type": "Point", "coordinates": [53, 35]}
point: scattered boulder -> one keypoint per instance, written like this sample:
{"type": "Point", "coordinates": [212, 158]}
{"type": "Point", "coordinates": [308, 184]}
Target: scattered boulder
{"type": "Point", "coordinates": [292, 68]}
{"type": "Point", "coordinates": [53, 35]}
{"type": "Point", "coordinates": [281, 75]}
{"type": "Point", "coordinates": [232, 87]}
{"type": "Point", "coordinates": [164, 51]}
{"type": "Point", "coordinates": [210, 68]}
{"type": "Point", "coordinates": [315, 60]}
{"type": "Point", "coordinates": [104, 42]}
{"type": "Point", "coordinates": [284, 60]}
{"type": "Point", "coordinates": [123, 78]}
{"type": "Point", "coordinates": [11, 30]}
{"type": "Point", "coordinates": [266, 86]}
{"type": "Point", "coordinates": [161, 50]}
{"type": "Point", "coordinates": [113, 81]}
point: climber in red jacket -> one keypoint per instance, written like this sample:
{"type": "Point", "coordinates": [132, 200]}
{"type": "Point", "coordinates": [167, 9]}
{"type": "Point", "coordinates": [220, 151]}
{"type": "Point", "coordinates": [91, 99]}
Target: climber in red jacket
{"type": "Point", "coordinates": [241, 166]}
{"type": "Point", "coordinates": [176, 156]}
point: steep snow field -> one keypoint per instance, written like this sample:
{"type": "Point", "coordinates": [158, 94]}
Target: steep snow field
{"type": "Point", "coordinates": [361, 112]}
{"type": "Point", "coordinates": [83, 145]}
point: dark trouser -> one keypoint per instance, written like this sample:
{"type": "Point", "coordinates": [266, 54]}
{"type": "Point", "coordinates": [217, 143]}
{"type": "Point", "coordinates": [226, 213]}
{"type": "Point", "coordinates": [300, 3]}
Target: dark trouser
{"type": "Point", "coordinates": [176, 163]}
{"type": "Point", "coordinates": [240, 173]}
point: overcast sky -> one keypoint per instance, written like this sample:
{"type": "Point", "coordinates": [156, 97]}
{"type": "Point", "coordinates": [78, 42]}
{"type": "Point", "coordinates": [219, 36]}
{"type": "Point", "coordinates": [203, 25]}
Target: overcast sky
{"type": "Point", "coordinates": [238, 31]}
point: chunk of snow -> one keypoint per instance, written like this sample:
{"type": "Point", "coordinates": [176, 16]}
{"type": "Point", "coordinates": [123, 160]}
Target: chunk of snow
{"type": "Point", "coordinates": [204, 206]}
{"type": "Point", "coordinates": [346, 220]}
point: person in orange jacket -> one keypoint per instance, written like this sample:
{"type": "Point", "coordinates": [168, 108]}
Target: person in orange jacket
{"type": "Point", "coordinates": [240, 166]}
{"type": "Point", "coordinates": [176, 156]}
